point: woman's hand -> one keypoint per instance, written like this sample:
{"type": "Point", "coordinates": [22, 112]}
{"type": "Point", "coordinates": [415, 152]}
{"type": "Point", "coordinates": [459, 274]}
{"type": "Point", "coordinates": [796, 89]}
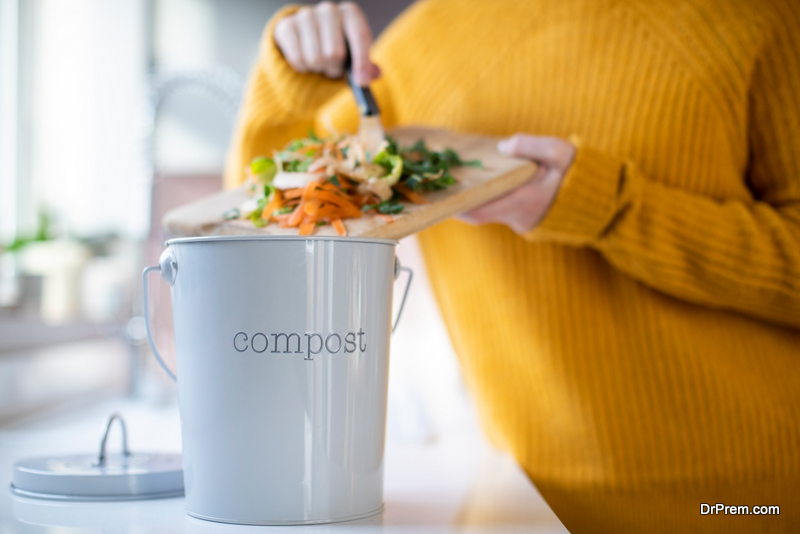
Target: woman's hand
{"type": "Point", "coordinates": [313, 40]}
{"type": "Point", "coordinates": [523, 208]}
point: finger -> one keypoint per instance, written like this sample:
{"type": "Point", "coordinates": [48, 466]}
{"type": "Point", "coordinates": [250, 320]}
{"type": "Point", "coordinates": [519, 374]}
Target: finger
{"type": "Point", "coordinates": [495, 210]}
{"type": "Point", "coordinates": [520, 209]}
{"type": "Point", "coordinates": [498, 206]}
{"type": "Point", "coordinates": [375, 72]}
{"type": "Point", "coordinates": [359, 38]}
{"type": "Point", "coordinates": [551, 151]}
{"type": "Point", "coordinates": [309, 39]}
{"type": "Point", "coordinates": [331, 39]}
{"type": "Point", "coordinates": [466, 218]}
{"type": "Point", "coordinates": [289, 43]}
{"type": "Point", "coordinates": [534, 200]}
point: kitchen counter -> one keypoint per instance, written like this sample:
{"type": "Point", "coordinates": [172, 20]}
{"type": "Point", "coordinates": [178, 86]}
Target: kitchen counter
{"type": "Point", "coordinates": [456, 483]}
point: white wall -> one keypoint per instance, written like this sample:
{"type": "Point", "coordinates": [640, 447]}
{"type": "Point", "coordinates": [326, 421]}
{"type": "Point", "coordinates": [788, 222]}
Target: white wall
{"type": "Point", "coordinates": [9, 64]}
{"type": "Point", "coordinates": [87, 151]}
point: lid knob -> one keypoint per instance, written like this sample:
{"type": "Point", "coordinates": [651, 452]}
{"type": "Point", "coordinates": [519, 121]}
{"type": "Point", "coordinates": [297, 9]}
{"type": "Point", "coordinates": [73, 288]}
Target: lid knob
{"type": "Point", "coordinates": [101, 458]}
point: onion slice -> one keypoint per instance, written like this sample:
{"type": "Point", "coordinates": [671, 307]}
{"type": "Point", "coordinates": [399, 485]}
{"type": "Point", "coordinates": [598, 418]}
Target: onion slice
{"type": "Point", "coordinates": [291, 180]}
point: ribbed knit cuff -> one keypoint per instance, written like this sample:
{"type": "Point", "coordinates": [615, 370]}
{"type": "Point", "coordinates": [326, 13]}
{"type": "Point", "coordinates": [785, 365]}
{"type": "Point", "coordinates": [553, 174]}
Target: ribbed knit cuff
{"type": "Point", "coordinates": [586, 201]}
{"type": "Point", "coordinates": [298, 91]}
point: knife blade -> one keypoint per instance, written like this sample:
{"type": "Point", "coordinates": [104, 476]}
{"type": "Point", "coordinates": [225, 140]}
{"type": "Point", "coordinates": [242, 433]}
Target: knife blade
{"type": "Point", "coordinates": [370, 128]}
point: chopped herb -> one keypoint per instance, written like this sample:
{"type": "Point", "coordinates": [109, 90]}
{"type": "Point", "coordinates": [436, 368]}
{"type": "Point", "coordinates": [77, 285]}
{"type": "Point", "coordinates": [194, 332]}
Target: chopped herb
{"type": "Point", "coordinates": [231, 214]}
{"type": "Point", "coordinates": [298, 165]}
{"type": "Point", "coordinates": [284, 210]}
{"type": "Point", "coordinates": [295, 145]}
{"type": "Point", "coordinates": [321, 223]}
{"type": "Point", "coordinates": [256, 215]}
{"type": "Point", "coordinates": [335, 181]}
{"type": "Point", "coordinates": [452, 157]}
{"type": "Point", "coordinates": [443, 182]}
{"type": "Point", "coordinates": [414, 180]}
{"type": "Point", "coordinates": [388, 207]}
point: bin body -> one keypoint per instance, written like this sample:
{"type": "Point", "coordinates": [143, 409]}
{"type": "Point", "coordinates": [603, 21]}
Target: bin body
{"type": "Point", "coordinates": [282, 349]}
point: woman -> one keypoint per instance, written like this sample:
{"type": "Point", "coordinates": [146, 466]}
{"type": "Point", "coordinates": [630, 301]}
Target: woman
{"type": "Point", "coordinates": [630, 320]}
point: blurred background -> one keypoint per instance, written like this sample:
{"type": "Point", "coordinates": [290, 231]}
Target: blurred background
{"type": "Point", "coordinates": [112, 113]}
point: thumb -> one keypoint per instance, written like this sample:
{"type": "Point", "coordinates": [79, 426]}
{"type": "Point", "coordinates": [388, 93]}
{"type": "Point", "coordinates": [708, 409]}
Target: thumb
{"type": "Point", "coordinates": [359, 39]}
{"type": "Point", "coordinates": [550, 151]}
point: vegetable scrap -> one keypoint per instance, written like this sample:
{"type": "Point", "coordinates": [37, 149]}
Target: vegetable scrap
{"type": "Point", "coordinates": [316, 182]}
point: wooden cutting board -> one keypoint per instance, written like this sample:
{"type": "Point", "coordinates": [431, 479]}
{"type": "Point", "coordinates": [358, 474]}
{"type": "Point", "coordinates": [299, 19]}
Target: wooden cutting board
{"type": "Point", "coordinates": [475, 186]}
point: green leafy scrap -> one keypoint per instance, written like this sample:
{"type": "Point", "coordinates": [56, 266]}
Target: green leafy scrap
{"type": "Point", "coordinates": [387, 207]}
{"type": "Point", "coordinates": [424, 169]}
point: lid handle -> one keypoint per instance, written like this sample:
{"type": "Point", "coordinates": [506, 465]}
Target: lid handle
{"type": "Point", "coordinates": [101, 458]}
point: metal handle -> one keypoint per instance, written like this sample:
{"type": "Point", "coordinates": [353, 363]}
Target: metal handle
{"type": "Point", "coordinates": [398, 269]}
{"type": "Point", "coordinates": [148, 328]}
{"type": "Point", "coordinates": [365, 101]}
{"type": "Point", "coordinates": [101, 458]}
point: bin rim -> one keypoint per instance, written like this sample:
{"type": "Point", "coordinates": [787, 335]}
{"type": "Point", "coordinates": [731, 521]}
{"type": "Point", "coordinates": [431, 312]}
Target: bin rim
{"type": "Point", "coordinates": [213, 238]}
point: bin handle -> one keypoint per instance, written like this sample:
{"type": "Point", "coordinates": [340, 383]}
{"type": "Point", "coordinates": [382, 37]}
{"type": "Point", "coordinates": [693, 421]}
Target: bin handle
{"type": "Point", "coordinates": [399, 268]}
{"type": "Point", "coordinates": [148, 328]}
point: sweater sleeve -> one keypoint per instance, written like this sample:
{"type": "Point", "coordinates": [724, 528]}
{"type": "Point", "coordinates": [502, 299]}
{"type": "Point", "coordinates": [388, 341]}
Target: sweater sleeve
{"type": "Point", "coordinates": [730, 254]}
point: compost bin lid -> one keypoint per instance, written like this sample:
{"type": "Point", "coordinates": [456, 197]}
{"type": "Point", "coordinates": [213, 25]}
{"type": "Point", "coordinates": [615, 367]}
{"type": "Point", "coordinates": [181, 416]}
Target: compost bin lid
{"type": "Point", "coordinates": [101, 477]}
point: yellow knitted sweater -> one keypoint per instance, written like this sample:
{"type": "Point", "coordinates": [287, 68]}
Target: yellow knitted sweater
{"type": "Point", "coordinates": [639, 351]}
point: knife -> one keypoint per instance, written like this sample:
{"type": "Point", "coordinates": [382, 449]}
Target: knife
{"type": "Point", "coordinates": [370, 128]}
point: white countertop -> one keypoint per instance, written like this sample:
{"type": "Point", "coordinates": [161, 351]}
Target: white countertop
{"type": "Point", "coordinates": [458, 483]}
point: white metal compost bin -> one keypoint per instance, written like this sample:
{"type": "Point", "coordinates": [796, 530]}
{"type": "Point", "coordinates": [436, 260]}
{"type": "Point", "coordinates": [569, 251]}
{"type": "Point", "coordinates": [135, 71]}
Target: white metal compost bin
{"type": "Point", "coordinates": [282, 348]}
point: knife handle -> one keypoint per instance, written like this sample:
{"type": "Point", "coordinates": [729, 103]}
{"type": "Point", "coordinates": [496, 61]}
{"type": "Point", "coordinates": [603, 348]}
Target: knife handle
{"type": "Point", "coordinates": [367, 106]}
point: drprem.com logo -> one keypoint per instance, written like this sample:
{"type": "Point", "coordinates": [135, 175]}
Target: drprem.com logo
{"type": "Point", "coordinates": [309, 344]}
{"type": "Point", "coordinates": [720, 509]}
